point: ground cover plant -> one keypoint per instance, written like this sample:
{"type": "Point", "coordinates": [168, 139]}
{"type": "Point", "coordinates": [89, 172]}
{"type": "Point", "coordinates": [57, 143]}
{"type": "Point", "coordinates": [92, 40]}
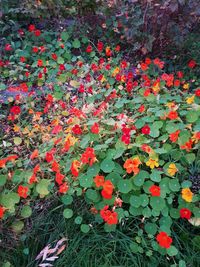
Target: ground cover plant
{"type": "Point", "coordinates": [88, 128]}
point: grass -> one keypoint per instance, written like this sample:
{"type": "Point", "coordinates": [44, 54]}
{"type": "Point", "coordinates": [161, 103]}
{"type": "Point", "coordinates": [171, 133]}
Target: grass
{"type": "Point", "coordinates": [96, 248]}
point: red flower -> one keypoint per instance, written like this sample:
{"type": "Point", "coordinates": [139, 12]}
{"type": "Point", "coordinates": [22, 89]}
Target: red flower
{"type": "Point", "coordinates": [61, 67]}
{"type": "Point", "coordinates": [141, 109]}
{"type": "Point", "coordinates": [177, 83]}
{"type": "Point", "coordinates": [22, 191]}
{"type": "Point", "coordinates": [154, 190]}
{"type": "Point", "coordinates": [31, 28]}
{"type": "Point", "coordinates": [164, 240]}
{"type": "Point", "coordinates": [123, 64]}
{"type": "Point", "coordinates": [8, 47]}
{"type": "Point", "coordinates": [35, 49]}
{"type": "Point", "coordinates": [185, 213]}
{"type": "Point", "coordinates": [172, 115]}
{"type": "Point", "coordinates": [37, 33]}
{"type": "Point", "coordinates": [77, 129]}
{"type": "Point", "coordinates": [147, 92]}
{"type": "Point", "coordinates": [110, 217]}
{"type": "Point", "coordinates": [54, 56]}
{"type": "Point", "coordinates": [49, 157]}
{"type": "Point", "coordinates": [148, 61]}
{"type": "Point", "coordinates": [105, 194]}
{"type": "Point", "coordinates": [159, 63]}
{"type": "Point", "coordinates": [59, 178]}
{"type": "Point", "coordinates": [40, 63]}
{"type": "Point", "coordinates": [144, 66]}
{"type": "Point", "coordinates": [88, 157]}
{"type": "Point", "coordinates": [32, 179]}
{"type": "Point", "coordinates": [192, 64]}
{"type": "Point", "coordinates": [55, 166]}
{"type": "Point", "coordinates": [15, 110]}
{"type": "Point", "coordinates": [99, 180]}
{"type": "Point", "coordinates": [89, 49]}
{"type": "Point", "coordinates": [22, 59]}
{"type": "Point", "coordinates": [21, 32]}
{"type": "Point", "coordinates": [63, 188]}
{"type": "Point", "coordinates": [2, 210]}
{"type": "Point", "coordinates": [174, 136]}
{"type": "Point", "coordinates": [146, 129]}
{"type": "Point", "coordinates": [187, 146]}
{"type": "Point", "coordinates": [3, 163]}
{"type": "Point", "coordinates": [180, 74]}
{"type": "Point", "coordinates": [197, 92]}
{"type": "Point", "coordinates": [81, 88]}
{"type": "Point", "coordinates": [117, 48]}
{"type": "Point", "coordinates": [95, 128]}
{"type": "Point", "coordinates": [100, 46]}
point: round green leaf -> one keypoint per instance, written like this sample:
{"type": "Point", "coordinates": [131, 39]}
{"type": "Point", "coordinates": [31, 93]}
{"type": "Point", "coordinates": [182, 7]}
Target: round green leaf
{"type": "Point", "coordinates": [42, 187]}
{"type": "Point", "coordinates": [68, 213]}
{"type": "Point", "coordinates": [150, 228]}
{"type": "Point", "coordinates": [17, 226]}
{"type": "Point", "coordinates": [86, 181]}
{"type": "Point", "coordinates": [125, 186]}
{"type": "Point", "coordinates": [157, 203]}
{"type": "Point", "coordinates": [135, 201]}
{"type": "Point", "coordinates": [76, 43]}
{"type": "Point", "coordinates": [26, 211]}
{"type": "Point", "coordinates": [3, 179]}
{"type": "Point", "coordinates": [140, 178]}
{"type": "Point", "coordinates": [85, 228]}
{"type": "Point", "coordinates": [174, 185]}
{"type": "Point", "coordinates": [67, 199]}
{"type": "Point", "coordinates": [172, 251]}
{"type": "Point", "coordinates": [78, 220]}
{"type": "Point", "coordinates": [107, 165]}
{"type": "Point", "coordinates": [92, 194]}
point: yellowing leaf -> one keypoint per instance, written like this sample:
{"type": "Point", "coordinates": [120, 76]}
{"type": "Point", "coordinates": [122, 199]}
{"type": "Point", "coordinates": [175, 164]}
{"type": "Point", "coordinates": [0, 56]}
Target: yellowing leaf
{"type": "Point", "coordinates": [17, 141]}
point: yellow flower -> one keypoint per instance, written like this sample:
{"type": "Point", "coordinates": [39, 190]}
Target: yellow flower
{"type": "Point", "coordinates": [156, 87]}
{"type": "Point", "coordinates": [187, 194]}
{"type": "Point", "coordinates": [190, 100]}
{"type": "Point", "coordinates": [152, 163]}
{"type": "Point", "coordinates": [172, 169]}
{"type": "Point", "coordinates": [115, 71]}
{"type": "Point", "coordinates": [186, 86]}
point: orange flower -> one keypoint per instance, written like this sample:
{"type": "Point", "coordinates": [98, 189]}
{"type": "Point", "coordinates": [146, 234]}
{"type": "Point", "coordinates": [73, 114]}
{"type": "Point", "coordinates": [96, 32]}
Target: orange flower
{"type": "Point", "coordinates": [107, 189]}
{"type": "Point", "coordinates": [131, 165]}
{"type": "Point", "coordinates": [187, 194]}
{"type": "Point", "coordinates": [63, 188]}
{"type": "Point", "coordinates": [99, 180]}
{"type": "Point", "coordinates": [22, 191]}
{"type": "Point", "coordinates": [36, 168]}
{"type": "Point", "coordinates": [55, 166]}
{"type": "Point", "coordinates": [32, 179]}
{"type": "Point", "coordinates": [3, 163]}
{"type": "Point", "coordinates": [75, 167]}
{"type": "Point", "coordinates": [35, 154]}
{"type": "Point", "coordinates": [196, 137]}
{"type": "Point", "coordinates": [59, 178]}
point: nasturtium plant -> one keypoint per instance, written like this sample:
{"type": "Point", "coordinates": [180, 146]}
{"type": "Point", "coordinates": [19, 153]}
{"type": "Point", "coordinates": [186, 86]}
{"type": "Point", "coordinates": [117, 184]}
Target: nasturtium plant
{"type": "Point", "coordinates": [85, 124]}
